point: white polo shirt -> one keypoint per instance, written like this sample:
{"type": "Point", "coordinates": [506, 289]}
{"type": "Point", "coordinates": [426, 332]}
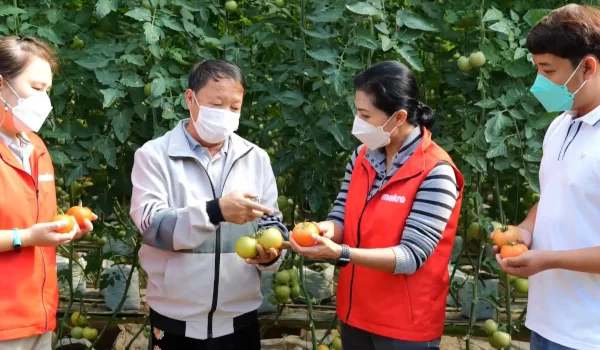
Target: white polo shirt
{"type": "Point", "coordinates": [564, 306]}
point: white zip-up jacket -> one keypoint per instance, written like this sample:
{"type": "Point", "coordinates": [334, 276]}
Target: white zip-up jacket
{"type": "Point", "coordinates": [194, 274]}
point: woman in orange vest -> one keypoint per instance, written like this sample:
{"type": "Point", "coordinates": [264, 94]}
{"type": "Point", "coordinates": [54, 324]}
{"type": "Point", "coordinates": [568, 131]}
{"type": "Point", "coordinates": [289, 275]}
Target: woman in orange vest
{"type": "Point", "coordinates": [28, 286]}
{"type": "Point", "coordinates": [393, 224]}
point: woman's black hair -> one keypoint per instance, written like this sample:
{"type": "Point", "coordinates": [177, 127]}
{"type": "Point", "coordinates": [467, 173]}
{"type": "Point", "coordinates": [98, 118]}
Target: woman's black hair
{"type": "Point", "coordinates": [392, 87]}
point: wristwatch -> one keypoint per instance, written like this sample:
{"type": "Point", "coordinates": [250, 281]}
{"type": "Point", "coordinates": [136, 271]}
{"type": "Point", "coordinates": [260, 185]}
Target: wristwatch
{"type": "Point", "coordinates": [16, 240]}
{"type": "Point", "coordinates": [345, 258]}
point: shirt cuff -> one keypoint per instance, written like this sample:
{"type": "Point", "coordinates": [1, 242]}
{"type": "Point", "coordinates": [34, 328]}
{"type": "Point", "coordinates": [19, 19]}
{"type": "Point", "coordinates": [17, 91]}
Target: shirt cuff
{"type": "Point", "coordinates": [213, 209]}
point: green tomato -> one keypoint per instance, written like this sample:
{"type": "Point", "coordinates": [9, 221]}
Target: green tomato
{"type": "Point", "coordinates": [463, 64]}
{"type": "Point", "coordinates": [490, 326]}
{"type": "Point", "coordinates": [521, 285]}
{"type": "Point", "coordinates": [477, 59]}
{"type": "Point", "coordinates": [280, 3]}
{"type": "Point", "coordinates": [282, 277]}
{"type": "Point", "coordinates": [77, 332]}
{"type": "Point", "coordinates": [231, 6]}
{"type": "Point", "coordinates": [245, 247]}
{"type": "Point", "coordinates": [283, 293]}
{"type": "Point", "coordinates": [500, 340]}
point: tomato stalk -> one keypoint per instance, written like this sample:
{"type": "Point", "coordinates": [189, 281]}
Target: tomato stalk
{"type": "Point", "coordinates": [137, 334]}
{"type": "Point", "coordinates": [308, 302]}
{"type": "Point", "coordinates": [475, 299]}
{"type": "Point", "coordinates": [71, 296]}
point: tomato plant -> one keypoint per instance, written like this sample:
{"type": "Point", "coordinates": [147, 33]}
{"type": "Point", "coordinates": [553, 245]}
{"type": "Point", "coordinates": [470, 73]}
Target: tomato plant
{"type": "Point", "coordinates": [303, 233]}
{"type": "Point", "coordinates": [245, 247]}
{"type": "Point", "coordinates": [500, 340]}
{"type": "Point", "coordinates": [521, 285]}
{"type": "Point", "coordinates": [282, 292]}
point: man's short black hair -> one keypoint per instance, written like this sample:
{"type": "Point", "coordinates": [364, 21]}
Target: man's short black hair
{"type": "Point", "coordinates": [214, 70]}
{"type": "Point", "coordinates": [570, 32]}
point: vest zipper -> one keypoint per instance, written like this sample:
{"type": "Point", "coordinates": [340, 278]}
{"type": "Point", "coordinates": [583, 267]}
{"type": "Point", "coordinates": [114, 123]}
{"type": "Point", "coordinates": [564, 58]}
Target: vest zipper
{"type": "Point", "coordinates": [215, 297]}
{"type": "Point", "coordinates": [357, 246]}
{"type": "Point", "coordinates": [358, 231]}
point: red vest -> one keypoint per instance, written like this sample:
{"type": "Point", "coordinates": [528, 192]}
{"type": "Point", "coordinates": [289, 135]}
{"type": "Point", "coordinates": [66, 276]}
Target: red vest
{"type": "Point", "coordinates": [28, 286]}
{"type": "Point", "coordinates": [406, 307]}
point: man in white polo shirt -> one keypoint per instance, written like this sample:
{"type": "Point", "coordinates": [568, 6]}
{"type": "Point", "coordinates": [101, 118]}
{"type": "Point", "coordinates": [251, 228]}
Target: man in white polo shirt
{"type": "Point", "coordinates": [563, 228]}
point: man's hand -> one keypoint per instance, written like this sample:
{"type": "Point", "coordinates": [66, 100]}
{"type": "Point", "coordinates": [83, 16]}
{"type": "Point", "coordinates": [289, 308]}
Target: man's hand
{"type": "Point", "coordinates": [238, 208]}
{"type": "Point", "coordinates": [88, 227]}
{"type": "Point", "coordinates": [325, 249]}
{"type": "Point", "coordinates": [525, 265]}
{"type": "Point", "coordinates": [44, 235]}
{"type": "Point", "coordinates": [263, 256]}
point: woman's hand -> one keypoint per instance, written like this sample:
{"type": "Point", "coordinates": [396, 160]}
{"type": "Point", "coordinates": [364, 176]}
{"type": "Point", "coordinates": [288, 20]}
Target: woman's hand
{"type": "Point", "coordinates": [88, 227]}
{"type": "Point", "coordinates": [324, 249]}
{"type": "Point", "coordinates": [44, 235]}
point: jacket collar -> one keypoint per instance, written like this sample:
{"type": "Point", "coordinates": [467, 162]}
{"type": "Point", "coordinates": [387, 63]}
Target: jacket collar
{"type": "Point", "coordinates": [39, 149]}
{"type": "Point", "coordinates": [179, 146]}
{"type": "Point", "coordinates": [592, 118]}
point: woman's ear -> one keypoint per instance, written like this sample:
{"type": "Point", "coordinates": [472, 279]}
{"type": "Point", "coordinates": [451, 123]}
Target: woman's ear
{"type": "Point", "coordinates": [400, 117]}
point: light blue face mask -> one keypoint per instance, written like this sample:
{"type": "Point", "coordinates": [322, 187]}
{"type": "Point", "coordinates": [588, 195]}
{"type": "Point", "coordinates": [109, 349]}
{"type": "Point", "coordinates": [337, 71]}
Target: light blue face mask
{"type": "Point", "coordinates": [554, 97]}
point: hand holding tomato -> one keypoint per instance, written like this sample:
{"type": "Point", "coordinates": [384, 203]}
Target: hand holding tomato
{"type": "Point", "coordinates": [527, 264]}
{"type": "Point", "coordinates": [511, 234]}
{"type": "Point", "coordinates": [324, 248]}
{"type": "Point", "coordinates": [46, 234]}
{"type": "Point", "coordinates": [84, 217]}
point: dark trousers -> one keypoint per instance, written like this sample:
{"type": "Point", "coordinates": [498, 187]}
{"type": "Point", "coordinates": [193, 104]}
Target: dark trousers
{"type": "Point", "coordinates": [357, 339]}
{"type": "Point", "coordinates": [169, 334]}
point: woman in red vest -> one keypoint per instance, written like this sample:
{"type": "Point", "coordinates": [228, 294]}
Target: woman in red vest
{"type": "Point", "coordinates": [394, 221]}
{"type": "Point", "coordinates": [28, 286]}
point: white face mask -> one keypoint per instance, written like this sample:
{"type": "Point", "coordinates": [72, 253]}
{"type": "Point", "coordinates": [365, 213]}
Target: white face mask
{"type": "Point", "coordinates": [215, 124]}
{"type": "Point", "coordinates": [30, 113]}
{"type": "Point", "coordinates": [373, 137]}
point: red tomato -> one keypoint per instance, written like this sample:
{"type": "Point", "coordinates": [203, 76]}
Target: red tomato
{"type": "Point", "coordinates": [70, 223]}
{"type": "Point", "coordinates": [513, 251]}
{"type": "Point", "coordinates": [303, 232]}
{"type": "Point", "coordinates": [80, 214]}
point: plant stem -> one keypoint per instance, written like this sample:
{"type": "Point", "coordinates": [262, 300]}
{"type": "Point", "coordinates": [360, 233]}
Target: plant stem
{"type": "Point", "coordinates": [308, 302]}
{"type": "Point", "coordinates": [509, 319]}
{"type": "Point", "coordinates": [137, 334]}
{"type": "Point", "coordinates": [475, 295]}
{"type": "Point", "coordinates": [70, 303]}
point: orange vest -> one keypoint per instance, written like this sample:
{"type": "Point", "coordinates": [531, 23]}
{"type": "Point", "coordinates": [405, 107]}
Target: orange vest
{"type": "Point", "coordinates": [406, 307]}
{"type": "Point", "coordinates": [28, 285]}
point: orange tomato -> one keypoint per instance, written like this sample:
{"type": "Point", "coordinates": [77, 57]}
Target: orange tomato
{"type": "Point", "coordinates": [68, 227]}
{"type": "Point", "coordinates": [80, 214]}
{"type": "Point", "coordinates": [303, 232]}
{"type": "Point", "coordinates": [513, 250]}
{"type": "Point", "coordinates": [506, 235]}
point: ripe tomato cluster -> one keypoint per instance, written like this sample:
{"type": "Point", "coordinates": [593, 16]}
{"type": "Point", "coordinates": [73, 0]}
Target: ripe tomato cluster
{"type": "Point", "coordinates": [507, 239]}
{"type": "Point", "coordinates": [76, 214]}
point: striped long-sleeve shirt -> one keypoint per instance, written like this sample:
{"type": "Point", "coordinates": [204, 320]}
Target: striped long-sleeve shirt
{"type": "Point", "coordinates": [431, 209]}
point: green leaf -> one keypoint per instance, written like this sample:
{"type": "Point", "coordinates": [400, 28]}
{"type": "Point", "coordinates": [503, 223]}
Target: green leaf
{"type": "Point", "coordinates": [337, 134]}
{"type": "Point", "coordinates": [324, 55]}
{"type": "Point", "coordinates": [519, 52]}
{"type": "Point", "coordinates": [138, 60]}
{"type": "Point", "coordinates": [76, 173]}
{"type": "Point", "coordinates": [132, 79]}
{"type": "Point", "coordinates": [495, 126]}
{"type": "Point", "coordinates": [363, 8]}
{"type": "Point", "coordinates": [323, 145]}
{"type": "Point", "coordinates": [141, 14]}
{"type": "Point", "coordinates": [159, 86]}
{"type": "Point", "coordinates": [107, 77]}
{"type": "Point", "coordinates": [366, 42]}
{"type": "Point", "coordinates": [104, 7]}
{"type": "Point", "coordinates": [59, 157]}
{"type": "Point", "coordinates": [493, 14]}
{"type": "Point", "coordinates": [330, 15]}
{"type": "Point", "coordinates": [477, 162]}
{"type": "Point", "coordinates": [502, 27]}
{"type": "Point", "coordinates": [152, 33]}
{"type": "Point", "coordinates": [411, 20]}
{"type": "Point", "coordinates": [487, 103]}
{"type": "Point", "coordinates": [535, 15]}
{"type": "Point", "coordinates": [172, 24]}
{"type": "Point", "coordinates": [93, 62]}
{"type": "Point", "coordinates": [410, 55]}
{"type": "Point", "coordinates": [386, 43]}
{"type": "Point", "coordinates": [382, 27]}
{"type": "Point", "coordinates": [519, 69]}
{"type": "Point", "coordinates": [121, 122]}
{"type": "Point", "coordinates": [111, 95]}
{"type": "Point", "coordinates": [48, 33]}
{"type": "Point", "coordinates": [292, 98]}
{"type": "Point", "coordinates": [7, 10]}
{"type": "Point", "coordinates": [319, 33]}
{"type": "Point", "coordinates": [497, 150]}
{"type": "Point", "coordinates": [107, 147]}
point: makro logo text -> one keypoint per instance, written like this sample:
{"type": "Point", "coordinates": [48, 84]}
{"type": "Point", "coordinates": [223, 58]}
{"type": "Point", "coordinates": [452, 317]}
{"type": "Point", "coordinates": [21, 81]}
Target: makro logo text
{"type": "Point", "coordinates": [393, 198]}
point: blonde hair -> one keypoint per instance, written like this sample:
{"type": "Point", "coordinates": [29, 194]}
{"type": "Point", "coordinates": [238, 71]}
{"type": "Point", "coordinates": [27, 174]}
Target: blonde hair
{"type": "Point", "coordinates": [17, 51]}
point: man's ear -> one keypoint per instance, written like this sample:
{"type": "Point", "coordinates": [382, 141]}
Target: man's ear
{"type": "Point", "coordinates": [589, 67]}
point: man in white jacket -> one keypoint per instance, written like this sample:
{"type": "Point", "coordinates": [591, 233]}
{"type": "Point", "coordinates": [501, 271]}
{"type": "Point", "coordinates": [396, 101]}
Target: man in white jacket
{"type": "Point", "coordinates": [196, 190]}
